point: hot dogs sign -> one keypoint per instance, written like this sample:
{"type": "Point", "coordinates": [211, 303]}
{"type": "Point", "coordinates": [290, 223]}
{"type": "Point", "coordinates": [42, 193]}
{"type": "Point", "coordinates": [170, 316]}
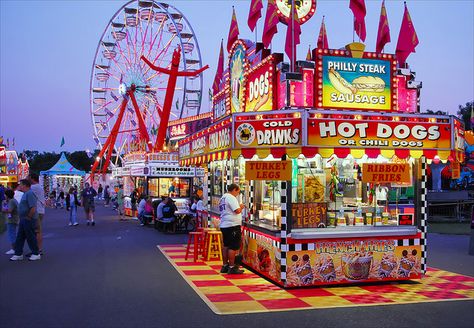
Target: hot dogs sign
{"type": "Point", "coordinates": [356, 83]}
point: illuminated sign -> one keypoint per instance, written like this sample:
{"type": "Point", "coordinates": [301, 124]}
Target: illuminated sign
{"type": "Point", "coordinates": [219, 105]}
{"type": "Point", "coordinates": [355, 83]}
{"type": "Point", "coordinates": [178, 131]}
{"type": "Point", "coordinates": [268, 170]}
{"type": "Point", "coordinates": [219, 140]}
{"type": "Point", "coordinates": [268, 131]}
{"type": "Point", "coordinates": [378, 134]}
{"type": "Point", "coordinates": [238, 65]}
{"type": "Point", "coordinates": [386, 173]}
{"type": "Point", "coordinates": [260, 88]}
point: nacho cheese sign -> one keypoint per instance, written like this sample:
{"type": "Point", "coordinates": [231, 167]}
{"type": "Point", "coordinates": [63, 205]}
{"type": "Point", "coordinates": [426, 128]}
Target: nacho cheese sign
{"type": "Point", "coordinates": [356, 83]}
{"type": "Point", "coordinates": [378, 134]}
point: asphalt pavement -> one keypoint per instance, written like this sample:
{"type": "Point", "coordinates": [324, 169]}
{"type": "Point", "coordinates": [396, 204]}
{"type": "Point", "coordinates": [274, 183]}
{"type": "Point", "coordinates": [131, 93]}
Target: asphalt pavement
{"type": "Point", "coordinates": [112, 275]}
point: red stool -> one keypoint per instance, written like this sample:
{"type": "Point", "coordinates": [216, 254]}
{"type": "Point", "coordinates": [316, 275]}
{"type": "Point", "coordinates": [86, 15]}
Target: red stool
{"type": "Point", "coordinates": [193, 238]}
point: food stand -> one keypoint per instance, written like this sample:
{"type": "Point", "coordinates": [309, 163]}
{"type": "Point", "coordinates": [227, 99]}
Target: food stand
{"type": "Point", "coordinates": [12, 167]}
{"type": "Point", "coordinates": [333, 173]}
{"type": "Point", "coordinates": [156, 175]}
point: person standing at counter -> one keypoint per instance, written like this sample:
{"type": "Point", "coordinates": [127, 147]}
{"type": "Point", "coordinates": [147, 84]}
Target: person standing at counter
{"type": "Point", "coordinates": [231, 220]}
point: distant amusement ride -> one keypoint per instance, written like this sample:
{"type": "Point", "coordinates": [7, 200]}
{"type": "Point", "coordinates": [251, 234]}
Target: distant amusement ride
{"type": "Point", "coordinates": [146, 48]}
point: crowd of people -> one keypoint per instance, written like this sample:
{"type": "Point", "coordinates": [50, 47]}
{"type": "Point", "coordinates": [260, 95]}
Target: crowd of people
{"type": "Point", "coordinates": [24, 207]}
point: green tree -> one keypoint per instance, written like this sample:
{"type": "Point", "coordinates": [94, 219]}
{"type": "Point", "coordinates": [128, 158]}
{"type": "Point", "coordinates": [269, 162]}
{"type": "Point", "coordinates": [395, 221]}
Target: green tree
{"type": "Point", "coordinates": [464, 114]}
{"type": "Point", "coordinates": [438, 112]}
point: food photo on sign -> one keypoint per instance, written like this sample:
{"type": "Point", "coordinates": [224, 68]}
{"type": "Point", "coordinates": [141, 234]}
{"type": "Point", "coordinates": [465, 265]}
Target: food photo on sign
{"type": "Point", "coordinates": [356, 83]}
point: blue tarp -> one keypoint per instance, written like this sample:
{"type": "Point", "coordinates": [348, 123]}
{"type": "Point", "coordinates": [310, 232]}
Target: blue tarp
{"type": "Point", "coordinates": [63, 166]}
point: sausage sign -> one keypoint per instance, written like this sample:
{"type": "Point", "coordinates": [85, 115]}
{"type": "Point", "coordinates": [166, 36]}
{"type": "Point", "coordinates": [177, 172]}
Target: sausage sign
{"type": "Point", "coordinates": [378, 134]}
{"type": "Point", "coordinates": [358, 83]}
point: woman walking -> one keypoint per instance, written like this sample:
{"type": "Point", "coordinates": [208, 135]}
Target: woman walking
{"type": "Point", "coordinates": [71, 205]}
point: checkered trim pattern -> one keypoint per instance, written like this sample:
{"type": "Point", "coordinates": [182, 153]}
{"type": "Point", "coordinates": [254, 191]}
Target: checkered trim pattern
{"type": "Point", "coordinates": [208, 203]}
{"type": "Point", "coordinates": [251, 195]}
{"type": "Point", "coordinates": [251, 234]}
{"type": "Point", "coordinates": [408, 242]}
{"type": "Point", "coordinates": [424, 212]}
{"type": "Point", "coordinates": [228, 173]}
{"type": "Point", "coordinates": [284, 228]}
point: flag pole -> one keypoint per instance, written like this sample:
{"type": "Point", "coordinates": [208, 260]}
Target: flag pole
{"type": "Point", "coordinates": [353, 30]}
{"type": "Point", "coordinates": [324, 33]}
{"type": "Point", "coordinates": [293, 50]}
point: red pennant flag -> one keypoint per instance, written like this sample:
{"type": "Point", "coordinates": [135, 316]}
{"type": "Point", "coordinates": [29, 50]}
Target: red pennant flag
{"type": "Point", "coordinates": [407, 39]}
{"type": "Point", "coordinates": [292, 34]}
{"type": "Point", "coordinates": [233, 31]}
{"type": "Point", "coordinates": [308, 54]}
{"type": "Point", "coordinates": [383, 35]}
{"type": "Point", "coordinates": [271, 22]}
{"type": "Point", "coordinates": [323, 37]}
{"type": "Point", "coordinates": [220, 70]}
{"type": "Point", "coordinates": [255, 13]}
{"type": "Point", "coordinates": [359, 11]}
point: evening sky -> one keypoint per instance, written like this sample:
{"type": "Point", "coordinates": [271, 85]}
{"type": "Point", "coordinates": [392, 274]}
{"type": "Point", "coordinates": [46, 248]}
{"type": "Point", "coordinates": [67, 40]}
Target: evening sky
{"type": "Point", "coordinates": [47, 50]}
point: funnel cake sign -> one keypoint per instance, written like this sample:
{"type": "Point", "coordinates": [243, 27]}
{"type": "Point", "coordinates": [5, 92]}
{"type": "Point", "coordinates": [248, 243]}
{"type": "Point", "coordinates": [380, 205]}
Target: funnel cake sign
{"type": "Point", "coordinates": [354, 260]}
{"type": "Point", "coordinates": [356, 83]}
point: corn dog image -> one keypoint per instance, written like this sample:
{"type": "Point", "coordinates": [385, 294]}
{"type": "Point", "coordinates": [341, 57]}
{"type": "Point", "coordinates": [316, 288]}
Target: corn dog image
{"type": "Point", "coordinates": [339, 83]}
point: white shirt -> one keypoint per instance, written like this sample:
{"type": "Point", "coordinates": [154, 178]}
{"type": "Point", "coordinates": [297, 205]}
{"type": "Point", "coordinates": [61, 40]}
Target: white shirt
{"type": "Point", "coordinates": [200, 205]}
{"type": "Point", "coordinates": [227, 205]}
{"type": "Point", "coordinates": [39, 192]}
{"type": "Point", "coordinates": [141, 205]}
{"type": "Point", "coordinates": [18, 195]}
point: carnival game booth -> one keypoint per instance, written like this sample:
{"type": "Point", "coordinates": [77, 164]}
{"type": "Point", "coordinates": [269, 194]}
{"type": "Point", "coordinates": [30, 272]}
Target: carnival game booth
{"type": "Point", "coordinates": [334, 181]}
{"type": "Point", "coordinates": [62, 175]}
{"type": "Point", "coordinates": [157, 175]}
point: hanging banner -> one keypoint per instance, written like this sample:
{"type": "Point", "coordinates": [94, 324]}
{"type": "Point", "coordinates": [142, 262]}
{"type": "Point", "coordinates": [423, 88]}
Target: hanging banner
{"type": "Point", "coordinates": [455, 170]}
{"type": "Point", "coordinates": [330, 132]}
{"type": "Point", "coordinates": [271, 130]}
{"type": "Point", "coordinates": [386, 173]}
{"type": "Point", "coordinates": [355, 83]}
{"type": "Point", "coordinates": [268, 170]}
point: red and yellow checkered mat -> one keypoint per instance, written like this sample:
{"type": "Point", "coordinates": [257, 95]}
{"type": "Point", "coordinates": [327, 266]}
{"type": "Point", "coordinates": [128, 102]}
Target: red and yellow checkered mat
{"type": "Point", "coordinates": [246, 293]}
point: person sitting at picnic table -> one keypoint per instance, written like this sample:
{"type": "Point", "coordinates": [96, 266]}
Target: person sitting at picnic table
{"type": "Point", "coordinates": [148, 211]}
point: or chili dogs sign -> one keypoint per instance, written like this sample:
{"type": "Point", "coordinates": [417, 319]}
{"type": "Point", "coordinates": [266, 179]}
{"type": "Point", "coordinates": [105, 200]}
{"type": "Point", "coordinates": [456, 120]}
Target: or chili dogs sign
{"type": "Point", "coordinates": [251, 132]}
{"type": "Point", "coordinates": [260, 88]}
{"type": "Point", "coordinates": [357, 83]}
{"type": "Point", "coordinates": [378, 134]}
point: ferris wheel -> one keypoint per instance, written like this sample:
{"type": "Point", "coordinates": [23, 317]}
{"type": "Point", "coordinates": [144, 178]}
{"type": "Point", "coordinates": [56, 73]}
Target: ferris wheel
{"type": "Point", "coordinates": [126, 94]}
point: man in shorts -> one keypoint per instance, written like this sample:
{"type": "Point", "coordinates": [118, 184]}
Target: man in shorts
{"type": "Point", "coordinates": [231, 219]}
{"type": "Point", "coordinates": [40, 208]}
{"type": "Point", "coordinates": [87, 198]}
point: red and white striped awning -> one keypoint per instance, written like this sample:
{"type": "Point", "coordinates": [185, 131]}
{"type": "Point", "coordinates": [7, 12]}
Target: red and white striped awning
{"type": "Point", "coordinates": [310, 152]}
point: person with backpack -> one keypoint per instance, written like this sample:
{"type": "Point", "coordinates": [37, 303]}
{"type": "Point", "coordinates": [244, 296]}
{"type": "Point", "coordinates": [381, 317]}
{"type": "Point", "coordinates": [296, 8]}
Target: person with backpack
{"type": "Point", "coordinates": [87, 198]}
